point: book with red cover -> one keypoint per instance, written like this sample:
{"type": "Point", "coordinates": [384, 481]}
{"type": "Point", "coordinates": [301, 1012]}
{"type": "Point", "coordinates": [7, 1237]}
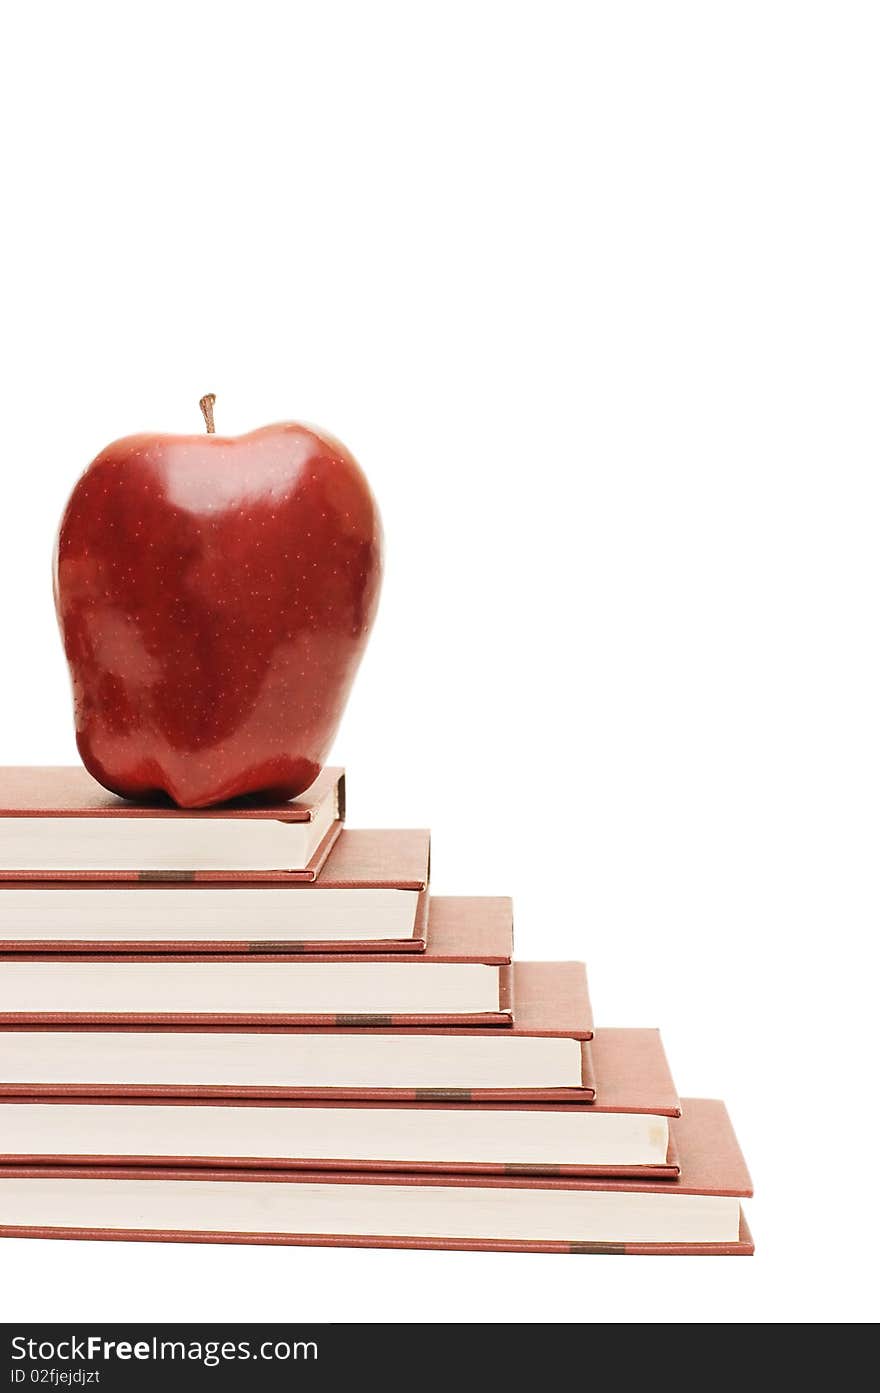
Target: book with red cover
{"type": "Point", "coordinates": [463, 978]}
{"type": "Point", "coordinates": [40, 803]}
{"type": "Point", "coordinates": [698, 1214]}
{"type": "Point", "coordinates": [543, 1057]}
{"type": "Point", "coordinates": [370, 897]}
{"type": "Point", "coordinates": [626, 1132]}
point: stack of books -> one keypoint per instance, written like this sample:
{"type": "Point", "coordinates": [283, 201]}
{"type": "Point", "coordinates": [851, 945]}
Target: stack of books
{"type": "Point", "coordinates": [253, 1024]}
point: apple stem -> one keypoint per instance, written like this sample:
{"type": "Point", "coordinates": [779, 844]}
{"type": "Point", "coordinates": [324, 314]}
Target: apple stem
{"type": "Point", "coordinates": [207, 405]}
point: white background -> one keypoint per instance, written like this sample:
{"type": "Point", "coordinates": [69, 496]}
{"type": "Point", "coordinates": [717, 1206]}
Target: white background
{"type": "Point", "coordinates": [592, 291]}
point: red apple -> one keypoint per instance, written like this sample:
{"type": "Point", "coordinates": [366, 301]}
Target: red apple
{"type": "Point", "coordinates": [215, 595]}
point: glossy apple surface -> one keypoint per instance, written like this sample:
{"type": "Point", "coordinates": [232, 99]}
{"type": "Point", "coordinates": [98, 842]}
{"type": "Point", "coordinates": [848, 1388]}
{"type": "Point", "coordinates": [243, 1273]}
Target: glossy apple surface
{"type": "Point", "coordinates": [215, 596]}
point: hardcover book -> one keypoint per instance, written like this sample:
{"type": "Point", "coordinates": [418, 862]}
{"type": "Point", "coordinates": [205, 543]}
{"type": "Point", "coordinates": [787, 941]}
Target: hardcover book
{"type": "Point", "coordinates": [57, 823]}
{"type": "Point", "coordinates": [699, 1214]}
{"type": "Point", "coordinates": [544, 1056]}
{"type": "Point", "coordinates": [464, 977]}
{"type": "Point", "coordinates": [625, 1132]}
{"type": "Point", "coordinates": [370, 896]}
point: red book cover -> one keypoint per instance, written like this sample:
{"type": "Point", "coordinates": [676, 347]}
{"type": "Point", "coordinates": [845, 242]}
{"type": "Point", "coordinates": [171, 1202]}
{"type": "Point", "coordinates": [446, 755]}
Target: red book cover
{"type": "Point", "coordinates": [68, 791]}
{"type": "Point", "coordinates": [551, 1003]}
{"type": "Point", "coordinates": [359, 860]}
{"type": "Point", "coordinates": [466, 932]}
{"type": "Point", "coordinates": [458, 929]}
{"type": "Point", "coordinates": [632, 1078]}
{"type": "Point", "coordinates": [80, 1203]}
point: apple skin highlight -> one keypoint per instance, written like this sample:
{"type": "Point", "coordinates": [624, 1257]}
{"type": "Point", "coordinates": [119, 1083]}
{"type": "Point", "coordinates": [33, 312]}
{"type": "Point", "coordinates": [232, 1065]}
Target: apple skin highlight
{"type": "Point", "coordinates": [215, 596]}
